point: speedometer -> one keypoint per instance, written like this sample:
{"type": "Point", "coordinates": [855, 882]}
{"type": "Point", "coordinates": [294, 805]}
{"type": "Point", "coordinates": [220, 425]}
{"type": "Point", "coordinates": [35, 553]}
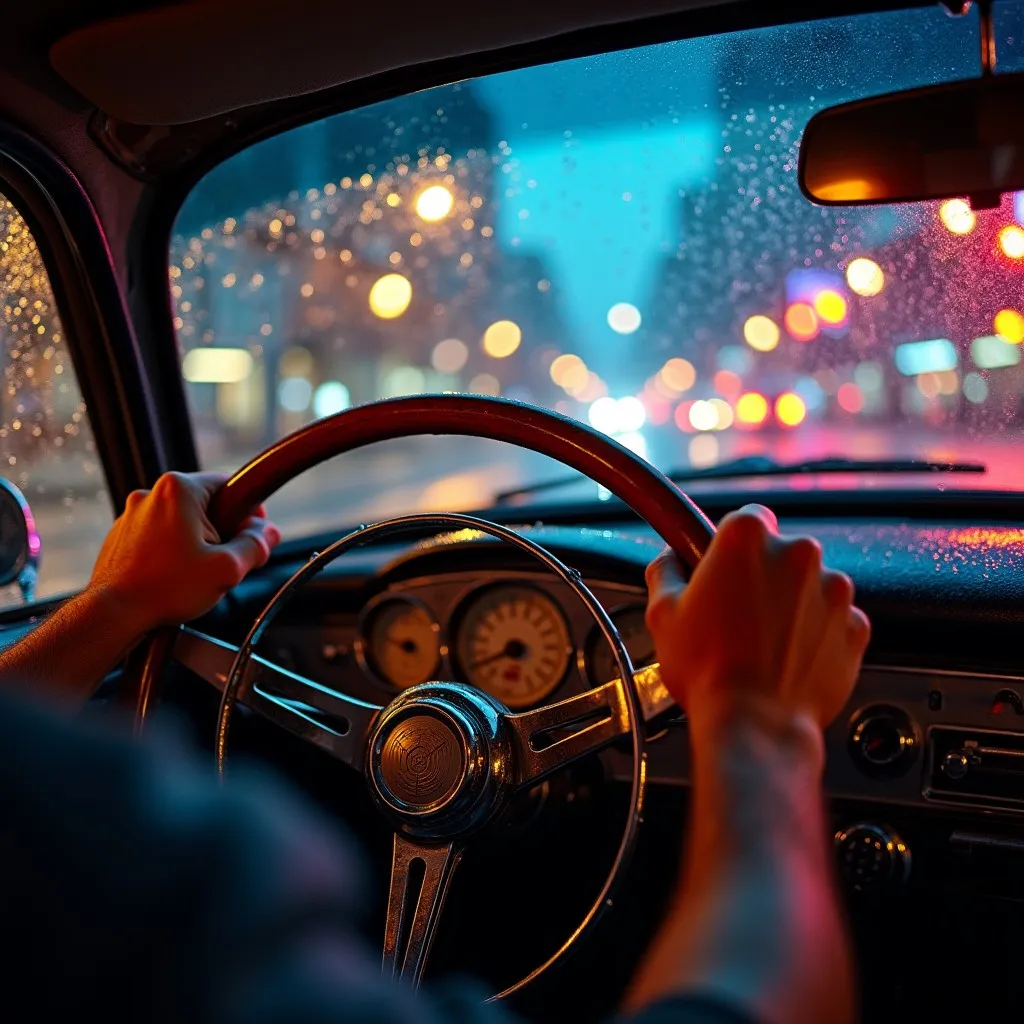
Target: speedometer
{"type": "Point", "coordinates": [513, 643]}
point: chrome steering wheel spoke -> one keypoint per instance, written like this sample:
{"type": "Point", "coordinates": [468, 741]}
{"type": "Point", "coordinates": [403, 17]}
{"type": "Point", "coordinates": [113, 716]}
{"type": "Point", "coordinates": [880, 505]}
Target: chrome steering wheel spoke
{"type": "Point", "coordinates": [420, 876]}
{"type": "Point", "coordinates": [307, 709]}
{"type": "Point", "coordinates": [552, 737]}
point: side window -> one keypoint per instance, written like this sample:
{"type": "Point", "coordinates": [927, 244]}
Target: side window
{"type": "Point", "coordinates": [48, 461]}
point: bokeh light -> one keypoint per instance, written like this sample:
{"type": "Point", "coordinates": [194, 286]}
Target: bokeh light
{"type": "Point", "coordinates": [975, 388]}
{"type": "Point", "coordinates": [1011, 241]}
{"type": "Point", "coordinates": [592, 388]}
{"type": "Point", "coordinates": [485, 384]}
{"type": "Point", "coordinates": [790, 410]}
{"type": "Point", "coordinates": [958, 216]}
{"type": "Point", "coordinates": [801, 322]}
{"type": "Point", "coordinates": [330, 398]}
{"type": "Point", "coordinates": [294, 394]}
{"type": "Point", "coordinates": [569, 372]}
{"type": "Point", "coordinates": [761, 333]}
{"type": "Point", "coordinates": [449, 356]}
{"type": "Point", "coordinates": [502, 338]}
{"type": "Point", "coordinates": [217, 365]}
{"type": "Point", "coordinates": [752, 408]}
{"type": "Point", "coordinates": [682, 417]}
{"type": "Point", "coordinates": [617, 416]}
{"type": "Point", "coordinates": [295, 361]}
{"type": "Point", "coordinates": [1009, 325]}
{"type": "Point", "coordinates": [865, 277]}
{"type": "Point", "coordinates": [928, 385]}
{"type": "Point", "coordinates": [723, 413]}
{"type": "Point", "coordinates": [403, 380]}
{"type": "Point", "coordinates": [703, 416]}
{"type": "Point", "coordinates": [679, 375]}
{"type": "Point", "coordinates": [624, 318]}
{"type": "Point", "coordinates": [727, 383]}
{"type": "Point", "coordinates": [390, 296]}
{"type": "Point", "coordinates": [831, 307]}
{"type": "Point", "coordinates": [703, 451]}
{"type": "Point", "coordinates": [850, 398]}
{"type": "Point", "coordinates": [435, 203]}
{"type": "Point", "coordinates": [632, 414]}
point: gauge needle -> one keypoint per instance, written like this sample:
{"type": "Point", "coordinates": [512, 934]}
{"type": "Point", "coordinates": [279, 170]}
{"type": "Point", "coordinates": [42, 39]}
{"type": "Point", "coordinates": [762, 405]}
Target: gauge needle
{"type": "Point", "coordinates": [408, 646]}
{"type": "Point", "coordinates": [515, 649]}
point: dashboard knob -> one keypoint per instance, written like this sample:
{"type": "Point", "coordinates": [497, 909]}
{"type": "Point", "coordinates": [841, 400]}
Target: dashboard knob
{"type": "Point", "coordinates": [871, 856]}
{"type": "Point", "coordinates": [955, 764]}
{"type": "Point", "coordinates": [883, 741]}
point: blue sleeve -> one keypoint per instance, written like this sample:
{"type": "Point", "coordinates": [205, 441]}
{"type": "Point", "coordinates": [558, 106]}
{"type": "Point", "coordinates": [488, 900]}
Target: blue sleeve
{"type": "Point", "coordinates": [136, 887]}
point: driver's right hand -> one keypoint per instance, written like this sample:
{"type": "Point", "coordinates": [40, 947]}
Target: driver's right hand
{"type": "Point", "coordinates": [760, 628]}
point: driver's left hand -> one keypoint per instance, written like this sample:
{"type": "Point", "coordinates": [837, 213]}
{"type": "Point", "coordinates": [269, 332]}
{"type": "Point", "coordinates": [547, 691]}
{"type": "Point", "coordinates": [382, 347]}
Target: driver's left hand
{"type": "Point", "coordinates": [163, 563]}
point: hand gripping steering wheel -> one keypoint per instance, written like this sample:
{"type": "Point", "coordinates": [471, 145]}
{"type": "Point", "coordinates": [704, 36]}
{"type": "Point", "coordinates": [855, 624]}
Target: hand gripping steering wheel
{"type": "Point", "coordinates": [442, 758]}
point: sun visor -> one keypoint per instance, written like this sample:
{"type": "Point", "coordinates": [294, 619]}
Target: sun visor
{"type": "Point", "coordinates": [188, 61]}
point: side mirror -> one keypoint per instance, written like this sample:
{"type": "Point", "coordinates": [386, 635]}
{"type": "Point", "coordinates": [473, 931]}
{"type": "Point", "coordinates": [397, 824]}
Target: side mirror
{"type": "Point", "coordinates": [20, 548]}
{"type": "Point", "coordinates": [961, 139]}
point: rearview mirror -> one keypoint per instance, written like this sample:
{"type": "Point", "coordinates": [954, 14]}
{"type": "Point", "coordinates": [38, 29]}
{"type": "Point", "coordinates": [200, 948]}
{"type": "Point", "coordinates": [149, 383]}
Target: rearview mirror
{"type": "Point", "coordinates": [961, 139]}
{"type": "Point", "coordinates": [19, 541]}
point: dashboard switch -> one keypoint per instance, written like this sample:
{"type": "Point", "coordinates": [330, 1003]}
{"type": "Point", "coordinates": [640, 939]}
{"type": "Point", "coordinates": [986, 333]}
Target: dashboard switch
{"type": "Point", "coordinates": [883, 741]}
{"type": "Point", "coordinates": [871, 856]}
{"type": "Point", "coordinates": [1007, 702]}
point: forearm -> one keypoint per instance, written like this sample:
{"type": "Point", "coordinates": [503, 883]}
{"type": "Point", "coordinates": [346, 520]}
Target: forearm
{"type": "Point", "coordinates": [68, 655]}
{"type": "Point", "coordinates": [756, 919]}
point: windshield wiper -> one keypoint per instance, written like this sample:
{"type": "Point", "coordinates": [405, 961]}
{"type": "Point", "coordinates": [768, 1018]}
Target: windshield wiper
{"type": "Point", "coordinates": [762, 465]}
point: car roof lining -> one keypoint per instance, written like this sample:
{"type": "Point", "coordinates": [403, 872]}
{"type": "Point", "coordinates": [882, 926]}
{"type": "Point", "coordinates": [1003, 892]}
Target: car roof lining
{"type": "Point", "coordinates": [145, 63]}
{"type": "Point", "coordinates": [146, 66]}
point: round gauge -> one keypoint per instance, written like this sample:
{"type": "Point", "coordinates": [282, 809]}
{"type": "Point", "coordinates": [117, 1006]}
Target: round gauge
{"type": "Point", "coordinates": [601, 664]}
{"type": "Point", "coordinates": [401, 642]}
{"type": "Point", "coordinates": [513, 643]}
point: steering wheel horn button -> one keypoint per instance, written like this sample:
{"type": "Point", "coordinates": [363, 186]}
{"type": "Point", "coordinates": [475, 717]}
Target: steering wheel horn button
{"type": "Point", "coordinates": [439, 760]}
{"type": "Point", "coordinates": [423, 762]}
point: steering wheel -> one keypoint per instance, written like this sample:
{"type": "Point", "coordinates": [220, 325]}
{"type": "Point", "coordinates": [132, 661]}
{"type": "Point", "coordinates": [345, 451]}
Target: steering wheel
{"type": "Point", "coordinates": [442, 759]}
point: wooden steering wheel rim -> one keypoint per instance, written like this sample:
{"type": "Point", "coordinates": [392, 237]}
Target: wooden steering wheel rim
{"type": "Point", "coordinates": [648, 492]}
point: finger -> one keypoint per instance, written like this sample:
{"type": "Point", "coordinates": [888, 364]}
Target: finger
{"type": "Point", "coordinates": [801, 555]}
{"type": "Point", "coordinates": [250, 547]}
{"type": "Point", "coordinates": [748, 529]}
{"type": "Point", "coordinates": [269, 528]}
{"type": "Point", "coordinates": [859, 629]}
{"type": "Point", "coordinates": [837, 588]}
{"type": "Point", "coordinates": [135, 498]}
{"type": "Point", "coordinates": [665, 575]}
{"type": "Point", "coordinates": [205, 485]}
{"type": "Point", "coordinates": [762, 512]}
{"type": "Point", "coordinates": [665, 584]}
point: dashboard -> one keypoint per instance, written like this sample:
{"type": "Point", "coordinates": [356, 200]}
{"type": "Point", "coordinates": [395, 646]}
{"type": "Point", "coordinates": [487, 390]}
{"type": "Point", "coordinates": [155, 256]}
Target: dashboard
{"type": "Point", "coordinates": [522, 637]}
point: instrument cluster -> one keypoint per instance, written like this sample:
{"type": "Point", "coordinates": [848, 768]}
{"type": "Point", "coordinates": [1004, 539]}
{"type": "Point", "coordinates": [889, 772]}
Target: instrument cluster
{"type": "Point", "coordinates": [513, 639]}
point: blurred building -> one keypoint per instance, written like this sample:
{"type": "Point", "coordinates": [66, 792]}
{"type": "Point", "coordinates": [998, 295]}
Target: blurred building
{"type": "Point", "coordinates": [384, 278]}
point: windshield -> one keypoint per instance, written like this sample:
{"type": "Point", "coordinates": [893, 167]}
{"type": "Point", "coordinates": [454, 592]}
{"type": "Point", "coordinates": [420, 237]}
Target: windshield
{"type": "Point", "coordinates": [620, 238]}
